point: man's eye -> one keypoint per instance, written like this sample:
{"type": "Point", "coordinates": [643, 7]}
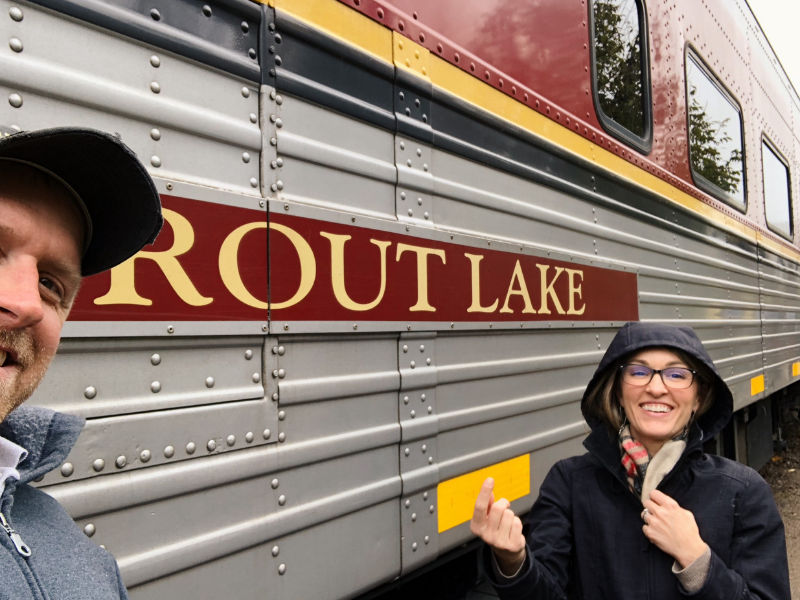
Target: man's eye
{"type": "Point", "coordinates": [50, 285]}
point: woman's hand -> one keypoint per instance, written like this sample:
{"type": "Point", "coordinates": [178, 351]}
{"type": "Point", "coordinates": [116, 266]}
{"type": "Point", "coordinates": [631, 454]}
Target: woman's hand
{"type": "Point", "coordinates": [496, 524]}
{"type": "Point", "coordinates": [672, 529]}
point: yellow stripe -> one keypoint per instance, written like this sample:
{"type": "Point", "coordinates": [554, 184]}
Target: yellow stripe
{"type": "Point", "coordinates": [345, 23]}
{"type": "Point", "coordinates": [795, 369]}
{"type": "Point", "coordinates": [756, 385]}
{"type": "Point", "coordinates": [456, 497]}
{"type": "Point", "coordinates": [341, 22]}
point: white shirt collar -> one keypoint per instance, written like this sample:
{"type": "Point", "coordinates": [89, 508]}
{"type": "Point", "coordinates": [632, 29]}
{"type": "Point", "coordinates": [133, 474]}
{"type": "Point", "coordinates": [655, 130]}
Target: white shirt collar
{"type": "Point", "coordinates": [10, 457]}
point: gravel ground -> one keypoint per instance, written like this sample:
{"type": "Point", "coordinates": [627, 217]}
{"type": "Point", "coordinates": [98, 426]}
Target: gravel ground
{"type": "Point", "coordinates": [783, 474]}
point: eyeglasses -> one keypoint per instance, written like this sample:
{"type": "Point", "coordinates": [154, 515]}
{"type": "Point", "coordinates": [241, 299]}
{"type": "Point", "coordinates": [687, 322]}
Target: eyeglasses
{"type": "Point", "coordinates": [676, 378]}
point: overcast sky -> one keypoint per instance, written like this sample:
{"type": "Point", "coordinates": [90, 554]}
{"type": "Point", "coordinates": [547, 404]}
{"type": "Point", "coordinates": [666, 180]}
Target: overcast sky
{"type": "Point", "coordinates": [779, 19]}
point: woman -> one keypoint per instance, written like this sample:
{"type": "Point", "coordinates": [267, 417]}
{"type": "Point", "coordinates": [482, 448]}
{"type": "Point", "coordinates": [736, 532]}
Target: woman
{"type": "Point", "coordinates": [645, 514]}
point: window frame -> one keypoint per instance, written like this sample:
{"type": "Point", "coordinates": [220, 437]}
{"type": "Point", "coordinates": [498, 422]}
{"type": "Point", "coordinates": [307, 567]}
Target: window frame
{"type": "Point", "coordinates": [691, 53]}
{"type": "Point", "coordinates": [643, 144]}
{"type": "Point", "coordinates": [765, 141]}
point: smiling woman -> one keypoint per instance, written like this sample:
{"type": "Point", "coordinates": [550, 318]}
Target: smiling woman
{"type": "Point", "coordinates": [653, 401]}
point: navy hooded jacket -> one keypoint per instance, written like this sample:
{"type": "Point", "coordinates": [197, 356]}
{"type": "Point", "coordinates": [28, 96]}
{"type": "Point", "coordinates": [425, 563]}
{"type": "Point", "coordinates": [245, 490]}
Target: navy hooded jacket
{"type": "Point", "coordinates": [64, 564]}
{"type": "Point", "coordinates": [585, 538]}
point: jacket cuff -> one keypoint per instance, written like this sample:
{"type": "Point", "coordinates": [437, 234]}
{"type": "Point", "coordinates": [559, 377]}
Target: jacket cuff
{"type": "Point", "coordinates": [498, 573]}
{"type": "Point", "coordinates": [695, 574]}
{"type": "Point", "coordinates": [517, 587]}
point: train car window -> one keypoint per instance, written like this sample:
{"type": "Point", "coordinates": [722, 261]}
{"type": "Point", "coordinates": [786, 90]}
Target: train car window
{"type": "Point", "coordinates": [716, 148]}
{"type": "Point", "coordinates": [777, 199]}
{"type": "Point", "coordinates": [621, 71]}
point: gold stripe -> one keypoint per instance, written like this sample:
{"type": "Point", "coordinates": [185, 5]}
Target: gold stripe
{"type": "Point", "coordinates": [456, 497]}
{"type": "Point", "coordinates": [756, 385]}
{"type": "Point", "coordinates": [345, 23]}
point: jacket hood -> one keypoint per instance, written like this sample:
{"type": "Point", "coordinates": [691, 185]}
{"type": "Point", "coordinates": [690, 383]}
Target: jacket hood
{"type": "Point", "coordinates": [48, 436]}
{"type": "Point", "coordinates": [636, 336]}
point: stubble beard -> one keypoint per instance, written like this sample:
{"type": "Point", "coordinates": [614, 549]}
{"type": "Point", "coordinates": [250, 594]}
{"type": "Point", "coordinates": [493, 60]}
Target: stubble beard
{"type": "Point", "coordinates": [31, 365]}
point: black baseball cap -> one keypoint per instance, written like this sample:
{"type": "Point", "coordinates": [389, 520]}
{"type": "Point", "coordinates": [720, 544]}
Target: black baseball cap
{"type": "Point", "coordinates": [112, 188]}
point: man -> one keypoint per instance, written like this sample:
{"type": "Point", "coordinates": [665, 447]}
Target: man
{"type": "Point", "coordinates": [73, 202]}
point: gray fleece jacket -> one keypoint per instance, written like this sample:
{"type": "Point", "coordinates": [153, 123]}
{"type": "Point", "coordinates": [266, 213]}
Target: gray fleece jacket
{"type": "Point", "coordinates": [63, 563]}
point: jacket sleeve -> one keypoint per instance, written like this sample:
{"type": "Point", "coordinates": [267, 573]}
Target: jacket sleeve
{"type": "Point", "coordinates": [759, 566]}
{"type": "Point", "coordinates": [545, 572]}
{"type": "Point", "coordinates": [123, 593]}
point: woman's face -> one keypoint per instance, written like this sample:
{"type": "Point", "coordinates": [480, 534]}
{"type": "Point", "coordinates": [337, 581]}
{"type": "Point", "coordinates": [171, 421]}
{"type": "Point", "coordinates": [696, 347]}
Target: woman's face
{"type": "Point", "coordinates": [656, 412]}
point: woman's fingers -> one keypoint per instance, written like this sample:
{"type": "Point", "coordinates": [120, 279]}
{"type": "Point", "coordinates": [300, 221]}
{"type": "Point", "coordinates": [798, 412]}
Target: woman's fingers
{"type": "Point", "coordinates": [482, 504]}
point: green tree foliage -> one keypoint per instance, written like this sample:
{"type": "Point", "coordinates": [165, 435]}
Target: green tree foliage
{"type": "Point", "coordinates": [705, 138]}
{"type": "Point", "coordinates": [618, 59]}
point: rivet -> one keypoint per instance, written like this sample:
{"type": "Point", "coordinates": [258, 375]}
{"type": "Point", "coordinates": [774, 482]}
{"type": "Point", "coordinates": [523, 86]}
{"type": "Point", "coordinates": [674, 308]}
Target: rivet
{"type": "Point", "coordinates": [281, 373]}
{"type": "Point", "coordinates": [419, 150]}
{"type": "Point", "coordinates": [263, 327]}
{"type": "Point", "coordinates": [145, 456]}
{"type": "Point", "coordinates": [89, 530]}
{"type": "Point", "coordinates": [15, 44]}
{"type": "Point", "coordinates": [252, 53]}
{"type": "Point", "coordinates": [408, 162]}
{"type": "Point", "coordinates": [155, 134]}
{"type": "Point", "coordinates": [248, 354]}
{"type": "Point", "coordinates": [281, 350]}
{"type": "Point", "coordinates": [413, 517]}
{"type": "Point", "coordinates": [275, 551]}
{"type": "Point", "coordinates": [419, 201]}
{"type": "Point", "coordinates": [272, 26]}
{"type": "Point", "coordinates": [273, 141]}
{"type": "Point", "coordinates": [431, 509]}
{"type": "Point", "coordinates": [430, 409]}
{"type": "Point", "coordinates": [282, 415]}
{"type": "Point", "coordinates": [190, 448]}
{"type": "Point", "coordinates": [413, 414]}
{"type": "Point", "coordinates": [279, 161]}
{"type": "Point", "coordinates": [426, 215]}
{"type": "Point", "coordinates": [156, 16]}
{"type": "Point", "coordinates": [427, 361]}
{"type": "Point", "coordinates": [15, 100]}
{"type": "Point", "coordinates": [410, 213]}
{"type": "Point", "coordinates": [424, 448]}
{"type": "Point", "coordinates": [427, 539]}
{"type": "Point", "coordinates": [253, 118]}
{"type": "Point", "coordinates": [425, 167]}
{"type": "Point", "coordinates": [90, 392]}
{"type": "Point", "coordinates": [209, 382]}
{"type": "Point", "coordinates": [67, 469]}
{"type": "Point", "coordinates": [275, 396]}
{"type": "Point", "coordinates": [278, 61]}
{"type": "Point", "coordinates": [274, 165]}
{"type": "Point", "coordinates": [246, 92]}
{"type": "Point", "coordinates": [246, 157]}
{"type": "Point", "coordinates": [281, 569]}
{"type": "Point", "coordinates": [405, 400]}
{"type": "Point", "coordinates": [230, 440]}
{"type": "Point", "coordinates": [355, 326]}
{"type": "Point", "coordinates": [278, 99]}
{"type": "Point", "coordinates": [98, 465]}
{"type": "Point", "coordinates": [207, 10]}
{"type": "Point", "coordinates": [121, 461]}
{"type": "Point", "coordinates": [402, 144]}
{"type": "Point", "coordinates": [155, 387]}
{"type": "Point", "coordinates": [155, 61]}
{"type": "Point", "coordinates": [414, 547]}
{"type": "Point", "coordinates": [279, 184]}
{"type": "Point", "coordinates": [253, 182]}
{"type": "Point", "coordinates": [211, 445]}
{"type": "Point", "coordinates": [170, 329]}
{"type": "Point", "coordinates": [281, 437]}
{"type": "Point", "coordinates": [155, 87]}
{"type": "Point", "coordinates": [407, 451]}
{"type": "Point", "coordinates": [15, 13]}
{"type": "Point", "coordinates": [423, 397]}
{"type": "Point", "coordinates": [249, 437]}
{"type": "Point", "coordinates": [245, 27]}
{"type": "Point", "coordinates": [155, 161]}
{"type": "Point", "coordinates": [169, 452]}
{"type": "Point", "coordinates": [286, 327]}
{"type": "Point", "coordinates": [430, 460]}
{"type": "Point", "coordinates": [405, 348]}
{"type": "Point", "coordinates": [279, 123]}
{"type": "Point", "coordinates": [425, 496]}
{"type": "Point", "coordinates": [413, 364]}
{"type": "Point", "coordinates": [262, 204]}
{"type": "Point", "coordinates": [285, 206]}
{"type": "Point", "coordinates": [275, 483]}
{"type": "Point", "coordinates": [169, 186]}
{"type": "Point", "coordinates": [282, 500]}
{"type": "Point", "coordinates": [256, 377]}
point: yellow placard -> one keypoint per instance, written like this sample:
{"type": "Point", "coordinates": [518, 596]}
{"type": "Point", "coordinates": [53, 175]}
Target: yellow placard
{"type": "Point", "coordinates": [756, 385]}
{"type": "Point", "coordinates": [456, 497]}
{"type": "Point", "coordinates": [795, 369]}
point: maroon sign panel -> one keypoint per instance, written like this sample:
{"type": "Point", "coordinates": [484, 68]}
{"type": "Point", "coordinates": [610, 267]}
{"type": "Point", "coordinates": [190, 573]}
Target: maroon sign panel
{"type": "Point", "coordinates": [211, 263]}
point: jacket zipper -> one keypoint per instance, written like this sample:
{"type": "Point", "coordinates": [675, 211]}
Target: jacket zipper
{"type": "Point", "coordinates": [21, 546]}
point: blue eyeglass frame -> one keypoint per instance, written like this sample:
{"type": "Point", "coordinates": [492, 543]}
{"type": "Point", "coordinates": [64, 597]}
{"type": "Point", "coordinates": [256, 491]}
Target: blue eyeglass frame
{"type": "Point", "coordinates": [659, 372]}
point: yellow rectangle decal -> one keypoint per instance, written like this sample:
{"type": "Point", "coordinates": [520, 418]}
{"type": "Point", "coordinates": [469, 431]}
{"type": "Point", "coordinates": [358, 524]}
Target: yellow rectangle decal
{"type": "Point", "coordinates": [795, 369]}
{"type": "Point", "coordinates": [756, 385]}
{"type": "Point", "coordinates": [456, 497]}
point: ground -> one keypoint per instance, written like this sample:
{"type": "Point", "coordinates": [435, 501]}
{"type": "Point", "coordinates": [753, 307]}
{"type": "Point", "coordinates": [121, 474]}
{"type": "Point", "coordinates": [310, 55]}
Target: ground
{"type": "Point", "coordinates": [783, 474]}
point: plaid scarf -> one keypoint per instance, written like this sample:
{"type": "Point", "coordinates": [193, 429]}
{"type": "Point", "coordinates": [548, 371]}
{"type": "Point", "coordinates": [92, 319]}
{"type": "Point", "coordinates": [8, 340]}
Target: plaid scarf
{"type": "Point", "coordinates": [635, 460]}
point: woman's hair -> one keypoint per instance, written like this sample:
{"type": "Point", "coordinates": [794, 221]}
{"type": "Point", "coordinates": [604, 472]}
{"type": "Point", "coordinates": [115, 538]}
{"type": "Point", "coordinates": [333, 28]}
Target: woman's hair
{"type": "Point", "coordinates": [603, 400]}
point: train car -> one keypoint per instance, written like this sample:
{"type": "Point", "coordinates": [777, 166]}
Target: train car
{"type": "Point", "coordinates": [399, 237]}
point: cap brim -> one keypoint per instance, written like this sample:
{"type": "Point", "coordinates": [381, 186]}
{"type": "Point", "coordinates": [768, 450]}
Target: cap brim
{"type": "Point", "coordinates": [118, 193]}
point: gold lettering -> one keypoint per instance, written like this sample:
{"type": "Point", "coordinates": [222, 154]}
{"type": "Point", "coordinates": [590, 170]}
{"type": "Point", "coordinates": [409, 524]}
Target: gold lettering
{"type": "Point", "coordinates": [521, 291]}
{"type": "Point", "coordinates": [422, 273]}
{"type": "Point", "coordinates": [123, 285]}
{"type": "Point", "coordinates": [337, 271]}
{"type": "Point", "coordinates": [547, 290]}
{"type": "Point", "coordinates": [573, 291]}
{"type": "Point", "coordinates": [229, 265]}
{"type": "Point", "coordinates": [475, 260]}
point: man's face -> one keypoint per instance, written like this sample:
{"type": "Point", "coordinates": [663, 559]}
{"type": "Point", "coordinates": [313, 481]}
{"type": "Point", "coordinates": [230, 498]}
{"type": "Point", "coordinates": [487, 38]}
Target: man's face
{"type": "Point", "coordinates": [40, 255]}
